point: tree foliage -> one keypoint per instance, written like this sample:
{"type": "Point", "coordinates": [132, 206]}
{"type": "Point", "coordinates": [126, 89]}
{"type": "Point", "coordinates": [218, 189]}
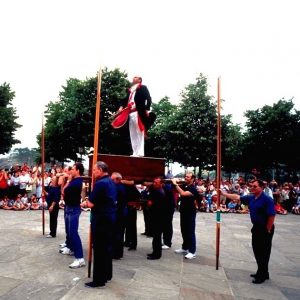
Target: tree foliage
{"type": "Point", "coordinates": [70, 121]}
{"type": "Point", "coordinates": [273, 134]}
{"type": "Point", "coordinates": [186, 133]}
{"type": "Point", "coordinates": [159, 143]}
{"type": "Point", "coordinates": [8, 124]}
{"type": "Point", "coordinates": [192, 130]}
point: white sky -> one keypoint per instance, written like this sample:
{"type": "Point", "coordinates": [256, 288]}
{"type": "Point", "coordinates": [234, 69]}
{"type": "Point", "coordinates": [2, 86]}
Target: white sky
{"type": "Point", "coordinates": [252, 44]}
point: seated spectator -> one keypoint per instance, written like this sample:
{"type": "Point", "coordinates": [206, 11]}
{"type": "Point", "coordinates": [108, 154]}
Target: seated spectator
{"type": "Point", "coordinates": [42, 203]}
{"type": "Point", "coordinates": [296, 207]}
{"type": "Point", "coordinates": [223, 207]}
{"type": "Point", "coordinates": [3, 201]}
{"type": "Point", "coordinates": [62, 204]}
{"type": "Point", "coordinates": [9, 204]}
{"type": "Point", "coordinates": [242, 209]}
{"type": "Point", "coordinates": [84, 205]}
{"type": "Point", "coordinates": [232, 206]}
{"type": "Point", "coordinates": [279, 209]}
{"type": "Point", "coordinates": [18, 205]}
{"type": "Point", "coordinates": [208, 201]}
{"type": "Point", "coordinates": [26, 202]}
{"type": "Point", "coordinates": [34, 203]}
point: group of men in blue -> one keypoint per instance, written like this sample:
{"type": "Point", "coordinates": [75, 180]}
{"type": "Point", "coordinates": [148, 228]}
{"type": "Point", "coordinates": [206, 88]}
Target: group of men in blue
{"type": "Point", "coordinates": [109, 206]}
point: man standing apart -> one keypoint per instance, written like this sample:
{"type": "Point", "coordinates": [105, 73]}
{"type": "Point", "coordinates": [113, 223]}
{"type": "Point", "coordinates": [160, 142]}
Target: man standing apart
{"type": "Point", "coordinates": [262, 214]}
{"type": "Point", "coordinates": [52, 198]}
{"type": "Point", "coordinates": [188, 195]}
{"type": "Point", "coordinates": [102, 201]}
{"type": "Point", "coordinates": [139, 101]}
{"type": "Point", "coordinates": [72, 197]}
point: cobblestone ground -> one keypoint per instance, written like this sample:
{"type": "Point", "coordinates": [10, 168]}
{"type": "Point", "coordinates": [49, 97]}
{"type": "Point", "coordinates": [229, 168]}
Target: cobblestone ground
{"type": "Point", "coordinates": [32, 268]}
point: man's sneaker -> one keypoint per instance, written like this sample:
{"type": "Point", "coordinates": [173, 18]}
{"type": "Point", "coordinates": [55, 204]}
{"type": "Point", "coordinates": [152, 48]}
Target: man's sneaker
{"type": "Point", "coordinates": [49, 236]}
{"type": "Point", "coordinates": [165, 247]}
{"type": "Point", "coordinates": [77, 263]}
{"type": "Point", "coordinates": [181, 251]}
{"type": "Point", "coordinates": [62, 245]}
{"type": "Point", "coordinates": [66, 251]}
{"type": "Point", "coordinates": [190, 255]}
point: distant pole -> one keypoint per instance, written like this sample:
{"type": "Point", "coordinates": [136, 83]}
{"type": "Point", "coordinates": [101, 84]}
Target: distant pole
{"type": "Point", "coordinates": [219, 175]}
{"type": "Point", "coordinates": [95, 158]}
{"type": "Point", "coordinates": [43, 173]}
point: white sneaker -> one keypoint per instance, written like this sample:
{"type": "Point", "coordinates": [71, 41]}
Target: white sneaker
{"type": "Point", "coordinates": [190, 255]}
{"type": "Point", "coordinates": [62, 245]}
{"type": "Point", "coordinates": [165, 247]}
{"type": "Point", "coordinates": [77, 263]}
{"type": "Point", "coordinates": [181, 251]}
{"type": "Point", "coordinates": [62, 249]}
{"type": "Point", "coordinates": [66, 251]}
{"type": "Point", "coordinates": [49, 236]}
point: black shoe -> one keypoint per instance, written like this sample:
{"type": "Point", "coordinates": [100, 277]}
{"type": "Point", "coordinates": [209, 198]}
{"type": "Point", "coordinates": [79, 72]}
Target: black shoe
{"type": "Point", "coordinates": [258, 280]}
{"type": "Point", "coordinates": [144, 233]}
{"type": "Point", "coordinates": [150, 254]}
{"type": "Point", "coordinates": [151, 257]}
{"type": "Point", "coordinates": [255, 275]}
{"type": "Point", "coordinates": [92, 284]}
{"type": "Point", "coordinates": [131, 248]}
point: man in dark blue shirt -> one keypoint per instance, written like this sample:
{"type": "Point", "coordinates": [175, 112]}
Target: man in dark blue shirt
{"type": "Point", "coordinates": [188, 195]}
{"type": "Point", "coordinates": [262, 214]}
{"type": "Point", "coordinates": [103, 202]}
{"type": "Point", "coordinates": [53, 197]}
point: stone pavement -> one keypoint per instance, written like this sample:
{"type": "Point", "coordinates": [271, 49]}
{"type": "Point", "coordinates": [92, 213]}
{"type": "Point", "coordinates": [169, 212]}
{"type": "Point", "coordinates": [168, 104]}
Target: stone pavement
{"type": "Point", "coordinates": [32, 268]}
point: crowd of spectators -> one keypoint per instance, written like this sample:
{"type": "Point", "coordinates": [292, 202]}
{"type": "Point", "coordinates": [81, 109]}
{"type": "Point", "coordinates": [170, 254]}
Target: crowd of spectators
{"type": "Point", "coordinates": [21, 187]}
{"type": "Point", "coordinates": [286, 196]}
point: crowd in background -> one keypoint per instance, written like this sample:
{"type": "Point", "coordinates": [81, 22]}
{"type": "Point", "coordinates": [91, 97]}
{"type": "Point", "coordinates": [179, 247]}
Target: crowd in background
{"type": "Point", "coordinates": [286, 196]}
{"type": "Point", "coordinates": [21, 189]}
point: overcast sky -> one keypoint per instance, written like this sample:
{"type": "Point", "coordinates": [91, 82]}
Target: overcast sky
{"type": "Point", "coordinates": [252, 45]}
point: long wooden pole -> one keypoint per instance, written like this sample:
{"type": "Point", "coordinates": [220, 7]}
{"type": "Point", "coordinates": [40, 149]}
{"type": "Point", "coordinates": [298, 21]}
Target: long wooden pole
{"type": "Point", "coordinates": [219, 174]}
{"type": "Point", "coordinates": [43, 173]}
{"type": "Point", "coordinates": [95, 158]}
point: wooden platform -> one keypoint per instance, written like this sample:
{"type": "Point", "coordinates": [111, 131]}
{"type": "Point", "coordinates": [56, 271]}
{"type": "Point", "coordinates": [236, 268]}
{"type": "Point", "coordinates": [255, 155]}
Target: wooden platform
{"type": "Point", "coordinates": [132, 168]}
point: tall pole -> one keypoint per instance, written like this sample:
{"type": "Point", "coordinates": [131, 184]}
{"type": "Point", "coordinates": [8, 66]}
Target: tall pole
{"type": "Point", "coordinates": [43, 173]}
{"type": "Point", "coordinates": [95, 158]}
{"type": "Point", "coordinates": [219, 175]}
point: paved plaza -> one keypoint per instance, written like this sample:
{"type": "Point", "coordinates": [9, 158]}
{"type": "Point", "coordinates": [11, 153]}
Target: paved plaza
{"type": "Point", "coordinates": [32, 268]}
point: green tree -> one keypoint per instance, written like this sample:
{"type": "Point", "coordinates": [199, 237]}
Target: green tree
{"type": "Point", "coordinates": [159, 143]}
{"type": "Point", "coordinates": [272, 137]}
{"type": "Point", "coordinates": [8, 124]}
{"type": "Point", "coordinates": [232, 145]}
{"type": "Point", "coordinates": [193, 129]}
{"type": "Point", "coordinates": [70, 121]}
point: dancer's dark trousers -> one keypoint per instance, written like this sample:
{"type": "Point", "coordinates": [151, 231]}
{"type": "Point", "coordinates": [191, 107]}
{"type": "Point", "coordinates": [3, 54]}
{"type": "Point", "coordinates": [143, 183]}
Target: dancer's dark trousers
{"type": "Point", "coordinates": [262, 244]}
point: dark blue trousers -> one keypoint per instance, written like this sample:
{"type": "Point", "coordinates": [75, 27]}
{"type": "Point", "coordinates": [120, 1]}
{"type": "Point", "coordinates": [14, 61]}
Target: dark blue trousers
{"type": "Point", "coordinates": [187, 225]}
